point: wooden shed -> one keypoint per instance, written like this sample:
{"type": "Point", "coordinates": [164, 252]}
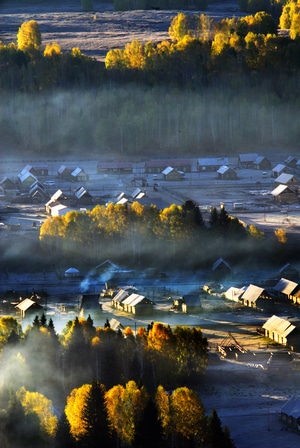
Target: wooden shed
{"type": "Point", "coordinates": [78, 175]}
{"type": "Point", "coordinates": [279, 169]}
{"type": "Point", "coordinates": [247, 160]}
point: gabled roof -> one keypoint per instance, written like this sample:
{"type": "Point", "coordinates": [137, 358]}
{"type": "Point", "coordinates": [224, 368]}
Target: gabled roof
{"type": "Point", "coordinates": [285, 286]}
{"type": "Point", "coordinates": [288, 266]}
{"type": "Point", "coordinates": [233, 293]}
{"type": "Point", "coordinates": [292, 407]}
{"type": "Point", "coordinates": [223, 169]}
{"type": "Point", "coordinates": [252, 293]}
{"type": "Point", "coordinates": [213, 161]}
{"type": "Point", "coordinates": [54, 197]}
{"type": "Point", "coordinates": [285, 178]}
{"type": "Point", "coordinates": [248, 157]}
{"type": "Point", "coordinates": [80, 192]}
{"type": "Point", "coordinates": [259, 159]}
{"type": "Point", "coordinates": [108, 264]}
{"type": "Point", "coordinates": [115, 324]}
{"type": "Point", "coordinates": [219, 262]}
{"type": "Point", "coordinates": [135, 299]}
{"type": "Point", "coordinates": [26, 175]}
{"type": "Point", "coordinates": [168, 170]}
{"type": "Point", "coordinates": [289, 159]}
{"type": "Point", "coordinates": [120, 296]}
{"type": "Point", "coordinates": [280, 189]}
{"type": "Point", "coordinates": [62, 169]}
{"type": "Point", "coordinates": [26, 304]}
{"type": "Point", "coordinates": [281, 326]}
{"type": "Point", "coordinates": [76, 172]}
{"type": "Point", "coordinates": [279, 167]}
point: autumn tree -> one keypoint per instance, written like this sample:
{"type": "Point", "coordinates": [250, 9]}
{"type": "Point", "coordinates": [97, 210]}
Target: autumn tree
{"type": "Point", "coordinates": [52, 50]}
{"type": "Point", "coordinates": [76, 402]}
{"type": "Point", "coordinates": [29, 36]}
{"type": "Point", "coordinates": [281, 235]}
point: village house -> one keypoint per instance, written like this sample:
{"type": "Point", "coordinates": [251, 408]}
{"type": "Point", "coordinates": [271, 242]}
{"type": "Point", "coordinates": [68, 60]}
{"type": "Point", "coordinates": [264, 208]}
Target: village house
{"type": "Point", "coordinates": [157, 166]}
{"type": "Point", "coordinates": [64, 173]}
{"type": "Point", "coordinates": [28, 307]}
{"type": "Point", "coordinates": [285, 194]}
{"type": "Point", "coordinates": [247, 160]}
{"type": "Point", "coordinates": [137, 304]}
{"type": "Point", "coordinates": [284, 288]}
{"type": "Point", "coordinates": [83, 197]}
{"type": "Point", "coordinates": [262, 163]}
{"type": "Point", "coordinates": [282, 331]}
{"type": "Point", "coordinates": [118, 299]}
{"type": "Point", "coordinates": [56, 199]}
{"type": "Point", "coordinates": [122, 167]}
{"type": "Point", "coordinates": [211, 163]}
{"type": "Point", "coordinates": [25, 180]}
{"type": "Point", "coordinates": [234, 293]}
{"type": "Point", "coordinates": [257, 297]}
{"type": "Point", "coordinates": [287, 179]}
{"type": "Point", "coordinates": [289, 271]}
{"type": "Point", "coordinates": [226, 173]}
{"type": "Point", "coordinates": [291, 162]}
{"type": "Point", "coordinates": [171, 174]}
{"type": "Point", "coordinates": [279, 169]}
{"type": "Point", "coordinates": [220, 266]}
{"type": "Point", "coordinates": [116, 325]}
{"type": "Point", "coordinates": [7, 184]}
{"type": "Point", "coordinates": [78, 175]}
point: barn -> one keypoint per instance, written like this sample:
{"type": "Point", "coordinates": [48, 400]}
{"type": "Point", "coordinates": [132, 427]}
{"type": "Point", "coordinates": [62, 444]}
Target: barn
{"type": "Point", "coordinates": [285, 194]}
{"type": "Point", "coordinates": [28, 307]}
{"type": "Point", "coordinates": [137, 304]}
{"type": "Point", "coordinates": [262, 163]}
{"type": "Point", "coordinates": [284, 288]}
{"type": "Point", "coordinates": [170, 174]}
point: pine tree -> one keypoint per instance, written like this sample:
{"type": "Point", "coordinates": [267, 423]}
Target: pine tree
{"type": "Point", "coordinates": [149, 432]}
{"type": "Point", "coordinates": [217, 437]}
{"type": "Point", "coordinates": [63, 438]}
{"type": "Point", "coordinates": [95, 418]}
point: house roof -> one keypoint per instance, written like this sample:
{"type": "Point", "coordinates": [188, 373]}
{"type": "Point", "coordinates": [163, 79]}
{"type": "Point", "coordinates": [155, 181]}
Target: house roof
{"type": "Point", "coordinates": [284, 178]}
{"type": "Point", "coordinates": [168, 170]}
{"type": "Point", "coordinates": [26, 175]}
{"type": "Point", "coordinates": [280, 189]}
{"type": "Point", "coordinates": [252, 293]}
{"type": "Point", "coordinates": [219, 262]}
{"type": "Point", "coordinates": [285, 286]}
{"type": "Point", "coordinates": [135, 299]}
{"type": "Point", "coordinates": [292, 407]}
{"type": "Point", "coordinates": [120, 296]}
{"type": "Point", "coordinates": [62, 169]}
{"type": "Point", "coordinates": [248, 157]}
{"type": "Point", "coordinates": [115, 324]}
{"type": "Point", "coordinates": [259, 159]}
{"type": "Point", "coordinates": [213, 161]}
{"type": "Point", "coordinates": [223, 169]}
{"type": "Point", "coordinates": [76, 172]}
{"type": "Point", "coordinates": [281, 326]}
{"type": "Point", "coordinates": [288, 266]}
{"type": "Point", "coordinates": [26, 304]}
{"type": "Point", "coordinates": [234, 293]}
{"type": "Point", "coordinates": [279, 167]}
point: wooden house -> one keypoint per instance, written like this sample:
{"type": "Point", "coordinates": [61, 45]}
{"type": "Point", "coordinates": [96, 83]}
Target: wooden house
{"type": "Point", "coordinates": [25, 180]}
{"type": "Point", "coordinates": [290, 413]}
{"type": "Point", "coordinates": [121, 167]}
{"type": "Point", "coordinates": [137, 304]}
{"type": "Point", "coordinates": [257, 297]}
{"type": "Point", "coordinates": [289, 271]}
{"type": "Point", "coordinates": [287, 179]}
{"type": "Point", "coordinates": [28, 307]}
{"type": "Point", "coordinates": [281, 331]}
{"type": "Point", "coordinates": [226, 173]}
{"type": "Point", "coordinates": [7, 184]}
{"type": "Point", "coordinates": [78, 175]}
{"type": "Point", "coordinates": [171, 174]}
{"type": "Point", "coordinates": [211, 163]}
{"type": "Point", "coordinates": [247, 160]}
{"type": "Point", "coordinates": [83, 197]}
{"type": "Point", "coordinates": [157, 166]}
{"type": "Point", "coordinates": [291, 162]}
{"type": "Point", "coordinates": [279, 169]}
{"type": "Point", "coordinates": [117, 300]}
{"type": "Point", "coordinates": [262, 163]}
{"type": "Point", "coordinates": [89, 305]}
{"type": "Point", "coordinates": [234, 293]}
{"type": "Point", "coordinates": [64, 173]}
{"type": "Point", "coordinates": [116, 325]}
{"type": "Point", "coordinates": [285, 194]}
{"type": "Point", "coordinates": [284, 288]}
{"type": "Point", "coordinates": [221, 266]}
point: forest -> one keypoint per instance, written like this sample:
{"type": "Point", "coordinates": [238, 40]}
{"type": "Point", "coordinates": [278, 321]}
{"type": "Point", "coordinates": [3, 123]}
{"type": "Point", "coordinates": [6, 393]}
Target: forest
{"type": "Point", "coordinates": [176, 236]}
{"type": "Point", "coordinates": [98, 387]}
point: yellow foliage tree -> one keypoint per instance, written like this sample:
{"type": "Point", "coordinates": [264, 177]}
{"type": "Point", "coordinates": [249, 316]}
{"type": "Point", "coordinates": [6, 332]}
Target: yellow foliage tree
{"type": "Point", "coordinates": [52, 49]}
{"type": "Point", "coordinates": [29, 36]}
{"type": "Point", "coordinates": [254, 232]}
{"type": "Point", "coordinates": [74, 410]}
{"type": "Point", "coordinates": [42, 407]}
{"type": "Point", "coordinates": [179, 27]}
{"type": "Point", "coordinates": [281, 235]}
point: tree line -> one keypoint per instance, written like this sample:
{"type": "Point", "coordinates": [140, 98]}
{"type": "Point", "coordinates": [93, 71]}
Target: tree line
{"type": "Point", "coordinates": [92, 385]}
{"type": "Point", "coordinates": [198, 52]}
{"type": "Point", "coordinates": [137, 235]}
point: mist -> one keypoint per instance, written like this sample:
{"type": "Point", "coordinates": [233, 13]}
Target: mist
{"type": "Point", "coordinates": [140, 122]}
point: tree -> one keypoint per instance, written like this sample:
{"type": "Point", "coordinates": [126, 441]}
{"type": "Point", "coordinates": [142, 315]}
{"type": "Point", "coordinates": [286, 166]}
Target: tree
{"type": "Point", "coordinates": [281, 235]}
{"type": "Point", "coordinates": [179, 27]}
{"type": "Point", "coordinates": [217, 437]}
{"type": "Point", "coordinates": [148, 432]}
{"type": "Point", "coordinates": [52, 50]}
{"type": "Point", "coordinates": [95, 417]}
{"type": "Point", "coordinates": [75, 405]}
{"type": "Point", "coordinates": [29, 36]}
